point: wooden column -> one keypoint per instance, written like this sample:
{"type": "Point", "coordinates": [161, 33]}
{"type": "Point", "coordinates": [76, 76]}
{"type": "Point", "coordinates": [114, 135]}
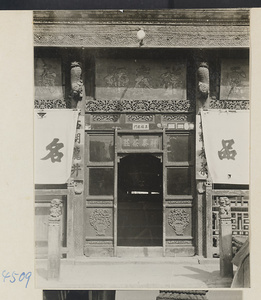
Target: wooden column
{"type": "Point", "coordinates": [54, 239]}
{"type": "Point", "coordinates": [199, 218]}
{"type": "Point", "coordinates": [225, 237]}
{"type": "Point", "coordinates": [208, 223]}
{"type": "Point", "coordinates": [76, 185]}
{"type": "Point", "coordinates": [204, 199]}
{"type": "Point", "coordinates": [70, 219]}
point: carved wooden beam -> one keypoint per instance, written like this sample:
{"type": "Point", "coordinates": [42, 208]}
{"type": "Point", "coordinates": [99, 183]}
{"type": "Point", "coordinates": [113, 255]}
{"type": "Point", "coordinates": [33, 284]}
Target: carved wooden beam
{"type": "Point", "coordinates": [169, 28]}
{"type": "Point", "coordinates": [238, 16]}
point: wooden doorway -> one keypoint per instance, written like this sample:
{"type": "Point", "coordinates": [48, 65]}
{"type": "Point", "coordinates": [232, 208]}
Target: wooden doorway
{"type": "Point", "coordinates": [140, 201]}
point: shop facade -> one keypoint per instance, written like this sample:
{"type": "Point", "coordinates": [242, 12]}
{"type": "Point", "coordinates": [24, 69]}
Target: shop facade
{"type": "Point", "coordinates": [139, 183]}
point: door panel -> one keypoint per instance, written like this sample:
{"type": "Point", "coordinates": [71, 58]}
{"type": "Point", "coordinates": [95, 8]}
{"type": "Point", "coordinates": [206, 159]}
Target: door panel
{"type": "Point", "coordinates": [179, 194]}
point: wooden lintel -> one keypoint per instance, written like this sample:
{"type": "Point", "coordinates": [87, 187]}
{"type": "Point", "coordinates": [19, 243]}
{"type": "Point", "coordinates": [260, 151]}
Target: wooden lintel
{"type": "Point", "coordinates": [51, 192]}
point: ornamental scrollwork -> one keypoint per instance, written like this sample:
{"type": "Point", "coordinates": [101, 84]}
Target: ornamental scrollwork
{"type": "Point", "coordinates": [229, 104]}
{"type": "Point", "coordinates": [106, 118]}
{"type": "Point", "coordinates": [139, 106]}
{"type": "Point", "coordinates": [139, 118]}
{"type": "Point", "coordinates": [49, 104]}
{"type": "Point", "coordinates": [178, 219]}
{"type": "Point", "coordinates": [174, 118]}
{"type": "Point", "coordinates": [100, 220]}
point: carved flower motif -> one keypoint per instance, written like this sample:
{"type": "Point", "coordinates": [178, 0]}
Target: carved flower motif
{"type": "Point", "coordinates": [100, 220]}
{"type": "Point", "coordinates": [178, 219]}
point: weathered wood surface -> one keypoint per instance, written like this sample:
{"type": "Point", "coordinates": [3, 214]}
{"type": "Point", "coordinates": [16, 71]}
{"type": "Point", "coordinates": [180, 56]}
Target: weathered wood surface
{"type": "Point", "coordinates": [229, 28]}
{"type": "Point", "coordinates": [54, 240]}
{"type": "Point", "coordinates": [175, 16]}
{"type": "Point", "coordinates": [208, 222]}
{"type": "Point", "coordinates": [51, 192]}
{"type": "Point", "coordinates": [225, 238]}
{"type": "Point", "coordinates": [230, 193]}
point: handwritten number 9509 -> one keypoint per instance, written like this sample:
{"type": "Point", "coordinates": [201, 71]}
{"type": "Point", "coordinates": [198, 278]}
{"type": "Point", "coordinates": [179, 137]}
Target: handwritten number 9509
{"type": "Point", "coordinates": [16, 277]}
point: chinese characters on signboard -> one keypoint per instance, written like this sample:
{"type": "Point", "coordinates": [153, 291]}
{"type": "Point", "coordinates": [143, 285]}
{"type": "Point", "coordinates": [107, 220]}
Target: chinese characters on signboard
{"type": "Point", "coordinates": [227, 151]}
{"type": "Point", "coordinates": [145, 79]}
{"type": "Point", "coordinates": [140, 126]}
{"type": "Point", "coordinates": [141, 142]}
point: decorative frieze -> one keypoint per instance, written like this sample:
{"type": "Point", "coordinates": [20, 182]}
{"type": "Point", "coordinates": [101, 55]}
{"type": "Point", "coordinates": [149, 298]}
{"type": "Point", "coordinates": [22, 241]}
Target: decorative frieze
{"type": "Point", "coordinates": [49, 104]}
{"type": "Point", "coordinates": [229, 104]}
{"type": "Point", "coordinates": [110, 118]}
{"type": "Point", "coordinates": [174, 118]}
{"type": "Point", "coordinates": [139, 106]}
{"type": "Point", "coordinates": [123, 35]}
{"type": "Point", "coordinates": [139, 118]}
{"type": "Point", "coordinates": [238, 16]}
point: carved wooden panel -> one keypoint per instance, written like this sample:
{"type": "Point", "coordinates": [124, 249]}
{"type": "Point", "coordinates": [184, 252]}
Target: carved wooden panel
{"type": "Point", "coordinates": [234, 79]}
{"type": "Point", "coordinates": [201, 161]}
{"type": "Point", "coordinates": [48, 79]}
{"type": "Point", "coordinates": [139, 106]}
{"type": "Point", "coordinates": [49, 104]}
{"type": "Point", "coordinates": [139, 118]}
{"type": "Point", "coordinates": [229, 104]}
{"type": "Point", "coordinates": [178, 222]}
{"type": "Point", "coordinates": [122, 35]}
{"type": "Point", "coordinates": [118, 79]}
{"type": "Point", "coordinates": [99, 222]}
{"type": "Point", "coordinates": [105, 118]}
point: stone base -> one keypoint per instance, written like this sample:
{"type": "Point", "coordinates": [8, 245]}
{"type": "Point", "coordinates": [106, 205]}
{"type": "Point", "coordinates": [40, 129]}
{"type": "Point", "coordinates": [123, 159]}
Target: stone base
{"type": "Point", "coordinates": [180, 251]}
{"type": "Point", "coordinates": [139, 252]}
{"type": "Point", "coordinates": [98, 252]}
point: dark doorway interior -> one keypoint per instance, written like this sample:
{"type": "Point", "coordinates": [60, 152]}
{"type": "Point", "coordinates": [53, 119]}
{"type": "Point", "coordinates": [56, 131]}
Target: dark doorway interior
{"type": "Point", "coordinates": [140, 201]}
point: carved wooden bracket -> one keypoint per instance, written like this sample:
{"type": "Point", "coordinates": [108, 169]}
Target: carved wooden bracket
{"type": "Point", "coordinates": [224, 208]}
{"type": "Point", "coordinates": [203, 80]}
{"type": "Point", "coordinates": [76, 81]}
{"type": "Point", "coordinates": [201, 187]}
{"type": "Point", "coordinates": [55, 210]}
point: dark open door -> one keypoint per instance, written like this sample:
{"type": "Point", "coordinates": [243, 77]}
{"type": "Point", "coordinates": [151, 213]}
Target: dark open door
{"type": "Point", "coordinates": [140, 201]}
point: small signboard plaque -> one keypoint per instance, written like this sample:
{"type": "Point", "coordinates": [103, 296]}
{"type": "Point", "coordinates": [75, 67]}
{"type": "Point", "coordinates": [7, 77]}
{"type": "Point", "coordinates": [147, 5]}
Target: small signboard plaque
{"type": "Point", "coordinates": [140, 126]}
{"type": "Point", "coordinates": [142, 142]}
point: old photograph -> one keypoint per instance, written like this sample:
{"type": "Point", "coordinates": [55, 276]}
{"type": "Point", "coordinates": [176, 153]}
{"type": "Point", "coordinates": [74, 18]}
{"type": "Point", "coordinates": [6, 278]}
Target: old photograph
{"type": "Point", "coordinates": [141, 150]}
